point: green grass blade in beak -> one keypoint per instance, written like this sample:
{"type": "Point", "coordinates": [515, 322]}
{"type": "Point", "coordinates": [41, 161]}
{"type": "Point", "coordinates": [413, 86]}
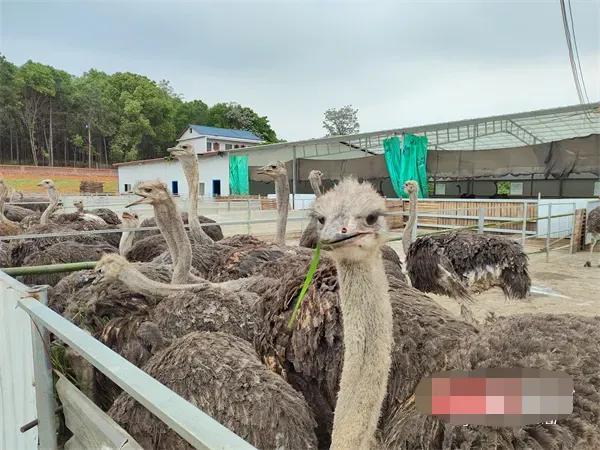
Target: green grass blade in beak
{"type": "Point", "coordinates": [309, 276]}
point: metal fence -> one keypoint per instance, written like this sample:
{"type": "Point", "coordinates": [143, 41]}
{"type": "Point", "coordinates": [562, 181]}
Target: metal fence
{"type": "Point", "coordinates": [26, 390]}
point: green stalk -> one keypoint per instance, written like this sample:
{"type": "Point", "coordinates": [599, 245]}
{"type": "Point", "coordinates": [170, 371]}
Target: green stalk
{"type": "Point", "coordinates": [51, 268]}
{"type": "Point", "coordinates": [309, 276]}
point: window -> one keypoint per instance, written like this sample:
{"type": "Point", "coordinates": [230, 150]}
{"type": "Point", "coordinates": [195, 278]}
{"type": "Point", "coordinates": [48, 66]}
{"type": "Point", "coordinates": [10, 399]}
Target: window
{"type": "Point", "coordinates": [597, 188]}
{"type": "Point", "coordinates": [236, 146]}
{"type": "Point", "coordinates": [216, 146]}
{"type": "Point", "coordinates": [242, 146]}
{"type": "Point", "coordinates": [440, 188]}
{"type": "Point", "coordinates": [228, 146]}
{"type": "Point", "coordinates": [516, 188]}
{"type": "Point", "coordinates": [175, 187]}
{"type": "Point", "coordinates": [208, 145]}
{"type": "Point", "coordinates": [190, 129]}
{"type": "Point", "coordinates": [201, 190]}
{"type": "Point", "coordinates": [127, 187]}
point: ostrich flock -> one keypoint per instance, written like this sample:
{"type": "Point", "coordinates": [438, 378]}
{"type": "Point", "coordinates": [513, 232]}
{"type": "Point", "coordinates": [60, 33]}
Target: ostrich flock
{"type": "Point", "coordinates": [208, 317]}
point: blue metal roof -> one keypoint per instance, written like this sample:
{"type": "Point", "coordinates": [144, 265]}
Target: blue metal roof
{"type": "Point", "coordinates": [225, 132]}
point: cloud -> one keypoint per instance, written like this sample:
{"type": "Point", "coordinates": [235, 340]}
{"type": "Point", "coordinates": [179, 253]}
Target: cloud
{"type": "Point", "coordinates": [401, 63]}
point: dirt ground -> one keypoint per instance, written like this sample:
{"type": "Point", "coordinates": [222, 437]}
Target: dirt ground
{"type": "Point", "coordinates": [564, 274]}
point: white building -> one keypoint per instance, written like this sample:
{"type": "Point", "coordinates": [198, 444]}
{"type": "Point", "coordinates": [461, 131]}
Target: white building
{"type": "Point", "coordinates": [212, 146]}
{"type": "Point", "coordinates": [212, 139]}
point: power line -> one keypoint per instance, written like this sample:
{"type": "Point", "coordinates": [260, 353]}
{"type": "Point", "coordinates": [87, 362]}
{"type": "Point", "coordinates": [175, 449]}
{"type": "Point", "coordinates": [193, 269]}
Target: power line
{"type": "Point", "coordinates": [571, 55]}
{"type": "Point", "coordinates": [577, 52]}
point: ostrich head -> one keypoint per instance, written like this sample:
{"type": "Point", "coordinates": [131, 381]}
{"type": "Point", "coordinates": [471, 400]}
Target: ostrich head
{"type": "Point", "coordinates": [78, 205]}
{"type": "Point", "coordinates": [150, 193]}
{"type": "Point", "coordinates": [182, 151]}
{"type": "Point", "coordinates": [411, 187]}
{"type": "Point", "coordinates": [351, 220]}
{"type": "Point", "coordinates": [110, 268]}
{"type": "Point", "coordinates": [274, 170]}
{"type": "Point", "coordinates": [47, 183]}
{"type": "Point", "coordinates": [315, 175]}
{"type": "Point", "coordinates": [130, 219]}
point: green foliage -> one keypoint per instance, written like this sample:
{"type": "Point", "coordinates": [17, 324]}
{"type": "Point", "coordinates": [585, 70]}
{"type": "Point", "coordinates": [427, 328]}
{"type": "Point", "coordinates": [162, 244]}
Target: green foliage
{"type": "Point", "coordinates": [342, 121]}
{"type": "Point", "coordinates": [233, 115]}
{"type": "Point", "coordinates": [503, 187]}
{"type": "Point", "coordinates": [114, 118]}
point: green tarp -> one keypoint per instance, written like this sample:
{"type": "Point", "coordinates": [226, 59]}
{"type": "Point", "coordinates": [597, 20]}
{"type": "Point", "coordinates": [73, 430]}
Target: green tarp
{"type": "Point", "coordinates": [238, 175]}
{"type": "Point", "coordinates": [406, 159]}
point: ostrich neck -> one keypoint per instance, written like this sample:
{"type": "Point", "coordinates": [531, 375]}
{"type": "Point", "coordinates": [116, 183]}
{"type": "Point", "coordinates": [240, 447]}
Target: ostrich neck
{"type": "Point", "coordinates": [368, 337]}
{"type": "Point", "coordinates": [316, 187]}
{"type": "Point", "coordinates": [138, 282]}
{"type": "Point", "coordinates": [171, 226]}
{"type": "Point", "coordinates": [193, 179]}
{"type": "Point", "coordinates": [54, 197]}
{"type": "Point", "coordinates": [408, 234]}
{"type": "Point", "coordinates": [282, 192]}
{"type": "Point", "coordinates": [126, 242]}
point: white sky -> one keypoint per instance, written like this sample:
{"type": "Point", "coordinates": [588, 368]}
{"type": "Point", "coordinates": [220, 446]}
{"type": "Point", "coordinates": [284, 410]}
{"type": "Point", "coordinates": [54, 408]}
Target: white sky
{"type": "Point", "coordinates": [400, 63]}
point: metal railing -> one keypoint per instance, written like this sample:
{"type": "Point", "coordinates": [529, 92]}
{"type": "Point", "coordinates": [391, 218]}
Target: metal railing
{"type": "Point", "coordinates": [193, 425]}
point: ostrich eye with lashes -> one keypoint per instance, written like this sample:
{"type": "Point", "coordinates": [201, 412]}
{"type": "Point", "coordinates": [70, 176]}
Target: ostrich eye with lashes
{"type": "Point", "coordinates": [321, 220]}
{"type": "Point", "coordinates": [371, 218]}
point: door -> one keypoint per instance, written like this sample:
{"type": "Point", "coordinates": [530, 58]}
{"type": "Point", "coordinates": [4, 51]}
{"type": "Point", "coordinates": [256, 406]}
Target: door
{"type": "Point", "coordinates": [216, 187]}
{"type": "Point", "coordinates": [175, 187]}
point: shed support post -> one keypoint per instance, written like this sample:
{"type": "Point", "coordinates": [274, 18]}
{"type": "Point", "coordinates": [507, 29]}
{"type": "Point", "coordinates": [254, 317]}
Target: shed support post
{"type": "Point", "coordinates": [294, 179]}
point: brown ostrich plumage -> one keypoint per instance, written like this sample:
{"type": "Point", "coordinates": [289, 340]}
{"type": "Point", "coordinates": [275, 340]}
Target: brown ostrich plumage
{"type": "Point", "coordinates": [226, 380]}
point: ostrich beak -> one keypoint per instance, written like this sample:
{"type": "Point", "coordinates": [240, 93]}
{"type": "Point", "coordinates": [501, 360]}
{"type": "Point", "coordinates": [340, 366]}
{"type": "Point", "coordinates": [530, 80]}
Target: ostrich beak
{"type": "Point", "coordinates": [337, 238]}
{"type": "Point", "coordinates": [143, 199]}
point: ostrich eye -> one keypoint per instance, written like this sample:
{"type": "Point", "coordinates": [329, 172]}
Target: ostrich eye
{"type": "Point", "coordinates": [321, 220]}
{"type": "Point", "coordinates": [371, 219]}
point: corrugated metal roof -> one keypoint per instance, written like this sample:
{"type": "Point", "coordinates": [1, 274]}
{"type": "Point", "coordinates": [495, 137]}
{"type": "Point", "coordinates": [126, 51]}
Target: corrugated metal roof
{"type": "Point", "coordinates": [225, 132]}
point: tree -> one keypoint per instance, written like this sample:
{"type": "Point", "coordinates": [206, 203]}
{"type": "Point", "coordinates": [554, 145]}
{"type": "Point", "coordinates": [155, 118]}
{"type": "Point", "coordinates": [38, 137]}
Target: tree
{"type": "Point", "coordinates": [233, 115]}
{"type": "Point", "coordinates": [186, 113]}
{"type": "Point", "coordinates": [35, 84]}
{"type": "Point", "coordinates": [342, 121]}
{"type": "Point", "coordinates": [94, 110]}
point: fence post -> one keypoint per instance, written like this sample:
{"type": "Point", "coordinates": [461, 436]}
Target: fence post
{"type": "Point", "coordinates": [524, 226]}
{"type": "Point", "coordinates": [548, 232]}
{"type": "Point", "coordinates": [573, 228]}
{"type": "Point", "coordinates": [481, 220]}
{"type": "Point", "coordinates": [42, 373]}
{"type": "Point", "coordinates": [248, 216]}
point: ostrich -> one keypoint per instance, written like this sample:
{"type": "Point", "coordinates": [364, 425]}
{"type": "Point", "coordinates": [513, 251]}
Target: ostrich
{"type": "Point", "coordinates": [455, 263]}
{"type": "Point", "coordinates": [7, 227]}
{"type": "Point", "coordinates": [100, 215]}
{"type": "Point", "coordinates": [309, 236]}
{"type": "Point", "coordinates": [593, 227]}
{"type": "Point", "coordinates": [204, 320]}
{"type": "Point", "coordinates": [278, 173]}
{"type": "Point", "coordinates": [130, 220]}
{"type": "Point", "coordinates": [156, 194]}
{"type": "Point", "coordinates": [54, 198]}
{"type": "Point", "coordinates": [222, 375]}
{"type": "Point", "coordinates": [189, 162]}
{"type": "Point", "coordinates": [352, 230]}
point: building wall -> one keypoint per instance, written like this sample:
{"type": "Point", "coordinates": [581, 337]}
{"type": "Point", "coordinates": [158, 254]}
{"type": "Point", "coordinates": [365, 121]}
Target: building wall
{"type": "Point", "coordinates": [211, 168]}
{"type": "Point", "coordinates": [196, 141]}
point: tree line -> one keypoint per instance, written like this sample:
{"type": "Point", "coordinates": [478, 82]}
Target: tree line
{"type": "Point", "coordinates": [50, 117]}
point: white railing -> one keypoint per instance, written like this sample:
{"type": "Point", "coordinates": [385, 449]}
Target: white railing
{"type": "Point", "coordinates": [26, 382]}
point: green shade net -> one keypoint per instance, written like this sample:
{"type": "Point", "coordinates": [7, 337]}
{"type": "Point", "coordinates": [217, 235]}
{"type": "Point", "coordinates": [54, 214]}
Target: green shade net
{"type": "Point", "coordinates": [406, 160]}
{"type": "Point", "coordinates": [238, 175]}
